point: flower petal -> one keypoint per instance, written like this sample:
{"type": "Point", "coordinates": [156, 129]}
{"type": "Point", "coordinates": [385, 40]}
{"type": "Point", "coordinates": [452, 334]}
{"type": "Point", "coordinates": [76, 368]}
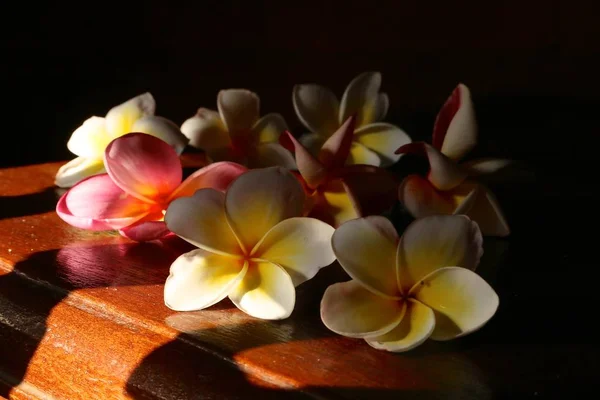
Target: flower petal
{"type": "Point", "coordinates": [455, 128]}
{"type": "Point", "coordinates": [120, 119]}
{"type": "Point", "coordinates": [336, 149]}
{"type": "Point", "coordinates": [361, 98]}
{"type": "Point", "coordinates": [366, 249]}
{"type": "Point", "coordinates": [201, 220]}
{"type": "Point", "coordinates": [260, 199]}
{"type": "Point", "coordinates": [206, 131]}
{"type": "Point", "coordinates": [483, 208]}
{"type": "Point", "coordinates": [444, 174]}
{"type": "Point", "coordinates": [462, 301]}
{"type": "Point", "coordinates": [199, 279]}
{"type": "Point", "coordinates": [143, 166]}
{"type": "Point", "coordinates": [313, 142]}
{"type": "Point", "coordinates": [421, 199]}
{"type": "Point", "coordinates": [265, 292]}
{"type": "Point", "coordinates": [216, 176]}
{"type": "Point", "coordinates": [271, 155]}
{"type": "Point", "coordinates": [416, 326]}
{"type": "Point", "coordinates": [316, 107]}
{"type": "Point", "coordinates": [486, 166]}
{"type": "Point", "coordinates": [239, 110]}
{"type": "Point", "coordinates": [269, 128]}
{"type": "Point", "coordinates": [301, 246]}
{"type": "Point", "coordinates": [78, 169]}
{"type": "Point", "coordinates": [373, 190]}
{"type": "Point", "coordinates": [436, 242]}
{"type": "Point", "coordinates": [90, 139]}
{"type": "Point", "coordinates": [333, 204]}
{"type": "Point", "coordinates": [145, 231]}
{"type": "Point", "coordinates": [96, 203]}
{"type": "Point", "coordinates": [348, 309]}
{"type": "Point", "coordinates": [163, 129]}
{"type": "Point", "coordinates": [381, 107]}
{"type": "Point", "coordinates": [310, 168]}
{"type": "Point", "coordinates": [359, 154]}
{"type": "Point", "coordinates": [383, 139]}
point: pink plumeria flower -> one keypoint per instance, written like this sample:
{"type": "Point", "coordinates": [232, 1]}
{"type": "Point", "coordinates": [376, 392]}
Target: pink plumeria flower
{"type": "Point", "coordinates": [338, 192]}
{"type": "Point", "coordinates": [374, 142]}
{"type": "Point", "coordinates": [448, 188]}
{"type": "Point", "coordinates": [89, 141]}
{"type": "Point", "coordinates": [406, 290]}
{"type": "Point", "coordinates": [144, 176]}
{"type": "Point", "coordinates": [236, 133]}
{"type": "Point", "coordinates": [254, 246]}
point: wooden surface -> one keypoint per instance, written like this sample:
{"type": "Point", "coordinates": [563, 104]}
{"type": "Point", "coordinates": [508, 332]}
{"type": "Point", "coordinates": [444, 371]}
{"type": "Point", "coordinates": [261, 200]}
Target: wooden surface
{"type": "Point", "coordinates": [82, 317]}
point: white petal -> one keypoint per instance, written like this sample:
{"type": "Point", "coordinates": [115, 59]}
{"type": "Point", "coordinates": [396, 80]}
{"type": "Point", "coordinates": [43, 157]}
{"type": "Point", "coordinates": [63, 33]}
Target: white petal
{"type": "Point", "coordinates": [361, 97]}
{"type": "Point", "coordinates": [271, 155]}
{"type": "Point", "coordinates": [266, 292]}
{"type": "Point", "coordinates": [384, 139]}
{"type": "Point", "coordinates": [482, 207]}
{"type": "Point", "coordinates": [163, 129]}
{"type": "Point", "coordinates": [199, 279]}
{"type": "Point", "coordinates": [206, 131]}
{"type": "Point", "coordinates": [313, 142]}
{"type": "Point", "coordinates": [78, 169]}
{"type": "Point", "coordinates": [90, 139]}
{"type": "Point", "coordinates": [485, 166]}
{"type": "Point", "coordinates": [381, 107]}
{"type": "Point", "coordinates": [239, 110]}
{"type": "Point", "coordinates": [317, 108]}
{"type": "Point", "coordinates": [120, 119]}
{"type": "Point", "coordinates": [269, 128]}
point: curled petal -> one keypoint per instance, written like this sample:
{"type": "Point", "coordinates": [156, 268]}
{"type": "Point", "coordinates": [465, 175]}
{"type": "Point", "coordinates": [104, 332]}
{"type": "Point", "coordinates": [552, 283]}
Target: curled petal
{"type": "Point", "coordinates": [383, 139]}
{"type": "Point", "coordinates": [482, 207]}
{"type": "Point", "coordinates": [206, 131]}
{"type": "Point", "coordinates": [333, 204]}
{"type": "Point", "coordinates": [421, 199]}
{"type": "Point", "coordinates": [96, 203]}
{"type": "Point", "coordinates": [361, 98]}
{"type": "Point", "coordinates": [265, 292]}
{"type": "Point", "coordinates": [271, 155]}
{"type": "Point", "coordinates": [317, 108]}
{"type": "Point", "coordinates": [381, 107]}
{"type": "Point", "coordinates": [444, 173]}
{"type": "Point", "coordinates": [366, 249]}
{"type": "Point", "coordinates": [462, 301]}
{"type": "Point", "coordinates": [90, 139]}
{"type": "Point", "coordinates": [120, 119]}
{"type": "Point", "coordinates": [199, 279]}
{"type": "Point", "coordinates": [143, 166]}
{"type": "Point", "coordinates": [301, 246]}
{"type": "Point", "coordinates": [455, 128]}
{"type": "Point", "coordinates": [163, 129]}
{"type": "Point", "coordinates": [78, 169]}
{"type": "Point", "coordinates": [239, 110]}
{"type": "Point", "coordinates": [486, 166]}
{"type": "Point", "coordinates": [201, 220]}
{"type": "Point", "coordinates": [216, 176]}
{"type": "Point", "coordinates": [145, 231]}
{"type": "Point", "coordinates": [436, 242]}
{"type": "Point", "coordinates": [269, 128]}
{"type": "Point", "coordinates": [336, 149]}
{"type": "Point", "coordinates": [260, 199]}
{"type": "Point", "coordinates": [373, 190]}
{"type": "Point", "coordinates": [416, 326]}
{"type": "Point", "coordinates": [311, 169]}
{"type": "Point", "coordinates": [348, 309]}
{"type": "Point", "coordinates": [360, 155]}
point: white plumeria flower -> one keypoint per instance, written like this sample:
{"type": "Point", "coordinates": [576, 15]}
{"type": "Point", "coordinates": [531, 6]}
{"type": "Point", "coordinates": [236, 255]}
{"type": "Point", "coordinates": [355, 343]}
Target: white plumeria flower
{"type": "Point", "coordinates": [322, 114]}
{"type": "Point", "coordinates": [407, 290]}
{"type": "Point", "coordinates": [90, 140]}
{"type": "Point", "coordinates": [236, 133]}
{"type": "Point", "coordinates": [253, 246]}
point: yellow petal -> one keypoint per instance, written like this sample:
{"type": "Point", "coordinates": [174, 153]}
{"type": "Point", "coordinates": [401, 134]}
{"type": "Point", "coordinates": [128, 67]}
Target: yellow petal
{"type": "Point", "coordinates": [416, 326]}
{"type": "Point", "coordinates": [201, 220]}
{"type": "Point", "coordinates": [120, 119]}
{"type": "Point", "coordinates": [199, 279]}
{"type": "Point", "coordinates": [317, 108]}
{"type": "Point", "coordinates": [462, 301]}
{"type": "Point", "coordinates": [384, 139]}
{"type": "Point", "coordinates": [301, 246]}
{"type": "Point", "coordinates": [239, 110]}
{"type": "Point", "coordinates": [163, 129]}
{"type": "Point", "coordinates": [78, 169]}
{"type": "Point", "coordinates": [361, 97]}
{"type": "Point", "coordinates": [436, 242]}
{"type": "Point", "coordinates": [260, 199]}
{"type": "Point", "coordinates": [349, 309]}
{"type": "Point", "coordinates": [269, 128]}
{"type": "Point", "coordinates": [206, 131]}
{"type": "Point", "coordinates": [359, 154]}
{"type": "Point", "coordinates": [90, 139]}
{"type": "Point", "coordinates": [265, 292]}
{"type": "Point", "coordinates": [334, 205]}
{"type": "Point", "coordinates": [366, 249]}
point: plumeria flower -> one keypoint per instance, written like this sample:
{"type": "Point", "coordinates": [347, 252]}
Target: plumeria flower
{"type": "Point", "coordinates": [406, 290]}
{"type": "Point", "coordinates": [144, 176]}
{"type": "Point", "coordinates": [322, 114]}
{"type": "Point", "coordinates": [449, 188]}
{"type": "Point", "coordinates": [337, 192]}
{"type": "Point", "coordinates": [236, 133]}
{"type": "Point", "coordinates": [90, 139]}
{"type": "Point", "coordinates": [253, 245]}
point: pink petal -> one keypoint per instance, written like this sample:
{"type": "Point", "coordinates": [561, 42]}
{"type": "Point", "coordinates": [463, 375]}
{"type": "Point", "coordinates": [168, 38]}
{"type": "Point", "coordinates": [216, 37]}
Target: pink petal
{"type": "Point", "coordinates": [146, 231]}
{"type": "Point", "coordinates": [421, 199]}
{"type": "Point", "coordinates": [310, 168]}
{"type": "Point", "coordinates": [372, 189]}
{"type": "Point", "coordinates": [335, 150]}
{"type": "Point", "coordinates": [143, 166]}
{"type": "Point", "coordinates": [96, 203]}
{"type": "Point", "coordinates": [216, 176]}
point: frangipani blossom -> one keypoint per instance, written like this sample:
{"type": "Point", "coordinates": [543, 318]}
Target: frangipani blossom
{"type": "Point", "coordinates": [91, 138]}
{"type": "Point", "coordinates": [236, 133]}
{"type": "Point", "coordinates": [448, 188]}
{"type": "Point", "coordinates": [144, 176]}
{"type": "Point", "coordinates": [253, 245]}
{"type": "Point", "coordinates": [322, 114]}
{"type": "Point", "coordinates": [338, 192]}
{"type": "Point", "coordinates": [406, 290]}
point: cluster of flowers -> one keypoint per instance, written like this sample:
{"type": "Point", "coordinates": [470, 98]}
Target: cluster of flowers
{"type": "Point", "coordinates": [270, 209]}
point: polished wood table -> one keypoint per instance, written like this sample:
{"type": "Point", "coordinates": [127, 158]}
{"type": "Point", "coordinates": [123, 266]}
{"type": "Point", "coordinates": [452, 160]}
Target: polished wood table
{"type": "Point", "coordinates": [82, 317]}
